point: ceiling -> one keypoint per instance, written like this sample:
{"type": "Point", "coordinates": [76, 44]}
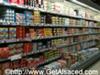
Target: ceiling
{"type": "Point", "coordinates": [92, 3]}
{"type": "Point", "coordinates": [96, 1]}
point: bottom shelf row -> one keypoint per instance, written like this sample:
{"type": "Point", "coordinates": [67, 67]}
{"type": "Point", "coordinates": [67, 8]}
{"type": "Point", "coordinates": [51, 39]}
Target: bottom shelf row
{"type": "Point", "coordinates": [73, 60]}
{"type": "Point", "coordinates": [53, 60]}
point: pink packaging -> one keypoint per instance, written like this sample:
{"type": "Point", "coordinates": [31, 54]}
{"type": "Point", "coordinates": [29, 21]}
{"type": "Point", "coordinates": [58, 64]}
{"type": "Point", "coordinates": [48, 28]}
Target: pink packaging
{"type": "Point", "coordinates": [13, 1]}
{"type": "Point", "coordinates": [21, 2]}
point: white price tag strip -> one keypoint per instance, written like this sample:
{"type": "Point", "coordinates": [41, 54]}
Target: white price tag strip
{"type": "Point", "coordinates": [15, 57]}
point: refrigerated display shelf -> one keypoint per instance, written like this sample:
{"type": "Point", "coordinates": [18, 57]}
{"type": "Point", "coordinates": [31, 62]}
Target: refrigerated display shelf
{"type": "Point", "coordinates": [85, 64]}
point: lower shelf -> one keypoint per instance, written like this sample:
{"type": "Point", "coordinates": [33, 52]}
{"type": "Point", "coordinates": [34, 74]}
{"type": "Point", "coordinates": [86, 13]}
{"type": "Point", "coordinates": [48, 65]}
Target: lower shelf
{"type": "Point", "coordinates": [48, 61]}
{"type": "Point", "coordinates": [84, 65]}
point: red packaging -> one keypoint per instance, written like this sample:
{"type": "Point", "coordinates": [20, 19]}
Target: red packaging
{"type": "Point", "coordinates": [42, 58]}
{"type": "Point", "coordinates": [29, 63]}
{"type": "Point", "coordinates": [27, 47]}
{"type": "Point", "coordinates": [23, 63]}
{"type": "Point", "coordinates": [20, 32]}
{"type": "Point", "coordinates": [34, 63]}
{"type": "Point", "coordinates": [21, 2]}
{"type": "Point", "coordinates": [15, 64]}
{"type": "Point", "coordinates": [4, 52]}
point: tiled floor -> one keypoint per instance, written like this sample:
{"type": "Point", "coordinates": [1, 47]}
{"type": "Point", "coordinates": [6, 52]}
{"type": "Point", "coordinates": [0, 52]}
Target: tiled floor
{"type": "Point", "coordinates": [96, 66]}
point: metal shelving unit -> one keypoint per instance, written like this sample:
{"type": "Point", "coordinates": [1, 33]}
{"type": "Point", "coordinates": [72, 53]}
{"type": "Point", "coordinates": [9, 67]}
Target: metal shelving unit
{"type": "Point", "coordinates": [15, 6]}
{"type": "Point", "coordinates": [44, 11]}
{"type": "Point", "coordinates": [22, 55]}
{"type": "Point", "coordinates": [49, 61]}
{"type": "Point", "coordinates": [51, 26]}
{"type": "Point", "coordinates": [51, 37]}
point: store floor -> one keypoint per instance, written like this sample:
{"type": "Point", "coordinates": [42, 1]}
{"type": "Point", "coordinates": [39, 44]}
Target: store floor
{"type": "Point", "coordinates": [96, 66]}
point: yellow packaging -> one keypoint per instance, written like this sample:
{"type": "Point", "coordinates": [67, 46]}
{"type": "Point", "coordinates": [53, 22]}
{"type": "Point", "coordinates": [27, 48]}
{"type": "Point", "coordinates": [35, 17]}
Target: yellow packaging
{"type": "Point", "coordinates": [37, 17]}
{"type": "Point", "coordinates": [48, 32]}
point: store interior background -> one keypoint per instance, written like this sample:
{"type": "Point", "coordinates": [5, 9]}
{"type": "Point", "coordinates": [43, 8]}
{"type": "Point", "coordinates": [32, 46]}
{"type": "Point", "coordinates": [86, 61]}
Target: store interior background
{"type": "Point", "coordinates": [52, 39]}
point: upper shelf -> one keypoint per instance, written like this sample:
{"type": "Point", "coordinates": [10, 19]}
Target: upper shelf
{"type": "Point", "coordinates": [45, 11]}
{"type": "Point", "coordinates": [84, 5]}
{"type": "Point", "coordinates": [15, 6]}
{"type": "Point", "coordinates": [64, 15]}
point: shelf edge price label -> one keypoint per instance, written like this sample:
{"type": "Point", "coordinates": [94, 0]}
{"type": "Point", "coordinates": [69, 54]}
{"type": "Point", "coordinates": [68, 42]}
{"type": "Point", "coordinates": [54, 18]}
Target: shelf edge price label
{"type": "Point", "coordinates": [15, 57]}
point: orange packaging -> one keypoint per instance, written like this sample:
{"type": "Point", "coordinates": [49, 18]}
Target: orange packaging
{"type": "Point", "coordinates": [27, 47]}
